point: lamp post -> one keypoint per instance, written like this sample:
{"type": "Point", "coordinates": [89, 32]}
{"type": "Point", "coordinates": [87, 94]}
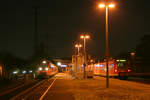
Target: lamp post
{"type": "Point", "coordinates": [84, 37]}
{"type": "Point", "coordinates": [78, 46]}
{"type": "Point", "coordinates": [106, 5]}
{"type": "Point", "coordinates": [133, 61]}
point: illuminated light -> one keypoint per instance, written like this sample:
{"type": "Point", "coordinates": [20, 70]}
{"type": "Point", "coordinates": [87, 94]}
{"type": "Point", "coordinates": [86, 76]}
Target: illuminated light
{"type": "Point", "coordinates": [132, 53]}
{"type": "Point", "coordinates": [111, 5]}
{"type": "Point", "coordinates": [101, 5]}
{"type": "Point", "coordinates": [63, 65]}
{"type": "Point", "coordinates": [30, 71]}
{"type": "Point", "coordinates": [81, 36]}
{"type": "Point", "coordinates": [59, 63]}
{"type": "Point", "coordinates": [24, 72]}
{"type": "Point", "coordinates": [129, 70]}
{"type": "Point", "coordinates": [122, 60]}
{"type": "Point", "coordinates": [15, 72]}
{"type": "Point", "coordinates": [116, 70]}
{"type": "Point", "coordinates": [80, 45]}
{"type": "Point", "coordinates": [76, 45]}
{"type": "Point", "coordinates": [40, 68]}
{"type": "Point", "coordinates": [46, 68]}
{"type": "Point", "coordinates": [99, 65]}
{"type": "Point", "coordinates": [52, 66]}
{"type": "Point", "coordinates": [112, 65]}
{"type": "Point", "coordinates": [87, 36]}
{"type": "Point", "coordinates": [91, 60]}
{"type": "Point", "coordinates": [44, 62]}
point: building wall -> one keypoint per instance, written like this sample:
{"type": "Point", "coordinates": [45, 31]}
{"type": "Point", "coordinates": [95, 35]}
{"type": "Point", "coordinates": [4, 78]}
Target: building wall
{"type": "Point", "coordinates": [1, 70]}
{"type": "Point", "coordinates": [77, 62]}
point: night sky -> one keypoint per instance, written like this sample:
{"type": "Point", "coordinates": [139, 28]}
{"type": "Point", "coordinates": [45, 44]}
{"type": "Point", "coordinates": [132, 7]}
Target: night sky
{"type": "Point", "coordinates": [62, 21]}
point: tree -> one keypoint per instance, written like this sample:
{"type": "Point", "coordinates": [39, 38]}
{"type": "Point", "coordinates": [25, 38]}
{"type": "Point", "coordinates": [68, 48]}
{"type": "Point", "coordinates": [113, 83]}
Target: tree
{"type": "Point", "coordinates": [10, 61]}
{"type": "Point", "coordinates": [143, 52]}
{"type": "Point", "coordinates": [143, 49]}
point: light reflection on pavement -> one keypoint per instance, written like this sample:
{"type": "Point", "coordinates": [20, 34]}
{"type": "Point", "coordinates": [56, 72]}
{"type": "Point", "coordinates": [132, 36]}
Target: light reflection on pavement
{"type": "Point", "coordinates": [63, 76]}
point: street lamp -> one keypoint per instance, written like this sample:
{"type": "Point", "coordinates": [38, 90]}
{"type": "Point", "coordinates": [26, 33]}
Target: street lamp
{"type": "Point", "coordinates": [78, 46]}
{"type": "Point", "coordinates": [132, 53]}
{"type": "Point", "coordinates": [133, 60]}
{"type": "Point", "coordinates": [107, 5]}
{"type": "Point", "coordinates": [84, 37]}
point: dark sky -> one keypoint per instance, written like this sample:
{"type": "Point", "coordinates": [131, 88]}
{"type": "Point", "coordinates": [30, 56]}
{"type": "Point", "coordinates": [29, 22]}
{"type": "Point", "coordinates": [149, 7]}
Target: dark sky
{"type": "Point", "coordinates": [63, 21]}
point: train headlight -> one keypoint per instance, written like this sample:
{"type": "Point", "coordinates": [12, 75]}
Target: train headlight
{"type": "Point", "coordinates": [129, 70]}
{"type": "Point", "coordinates": [46, 68]}
{"type": "Point", "coordinates": [15, 72]}
{"type": "Point", "coordinates": [40, 68]}
{"type": "Point", "coordinates": [30, 71]}
{"type": "Point", "coordinates": [24, 72]}
{"type": "Point", "coordinates": [116, 70]}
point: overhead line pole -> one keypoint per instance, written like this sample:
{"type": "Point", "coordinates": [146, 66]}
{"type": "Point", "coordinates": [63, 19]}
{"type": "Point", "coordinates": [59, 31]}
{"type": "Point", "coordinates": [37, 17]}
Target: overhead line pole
{"type": "Point", "coordinates": [35, 29]}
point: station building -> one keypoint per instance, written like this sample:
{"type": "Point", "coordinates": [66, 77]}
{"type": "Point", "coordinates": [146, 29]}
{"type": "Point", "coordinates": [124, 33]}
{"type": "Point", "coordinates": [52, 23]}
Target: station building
{"type": "Point", "coordinates": [1, 70]}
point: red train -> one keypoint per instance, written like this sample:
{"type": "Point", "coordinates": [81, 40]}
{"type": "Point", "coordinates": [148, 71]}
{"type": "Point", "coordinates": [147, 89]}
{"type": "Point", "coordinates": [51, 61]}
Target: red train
{"type": "Point", "coordinates": [46, 70]}
{"type": "Point", "coordinates": [117, 68]}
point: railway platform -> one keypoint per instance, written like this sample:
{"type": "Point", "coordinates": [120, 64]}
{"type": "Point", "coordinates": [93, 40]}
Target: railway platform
{"type": "Point", "coordinates": [95, 89]}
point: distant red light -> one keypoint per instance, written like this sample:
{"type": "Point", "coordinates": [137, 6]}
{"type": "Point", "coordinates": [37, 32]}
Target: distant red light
{"type": "Point", "coordinates": [132, 53]}
{"type": "Point", "coordinates": [116, 70]}
{"type": "Point", "coordinates": [129, 70]}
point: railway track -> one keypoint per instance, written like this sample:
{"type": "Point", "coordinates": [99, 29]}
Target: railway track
{"type": "Point", "coordinates": [8, 93]}
{"type": "Point", "coordinates": [4, 89]}
{"type": "Point", "coordinates": [36, 91]}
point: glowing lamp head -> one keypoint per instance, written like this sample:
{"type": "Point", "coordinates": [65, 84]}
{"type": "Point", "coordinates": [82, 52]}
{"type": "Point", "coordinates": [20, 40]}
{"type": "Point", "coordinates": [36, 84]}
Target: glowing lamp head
{"type": "Point", "coordinates": [101, 5]}
{"type": "Point", "coordinates": [80, 45]}
{"type": "Point", "coordinates": [87, 36]}
{"type": "Point", "coordinates": [111, 5]}
{"type": "Point", "coordinates": [132, 53]}
{"type": "Point", "coordinates": [40, 68]}
{"type": "Point", "coordinates": [76, 45]}
{"type": "Point", "coordinates": [81, 36]}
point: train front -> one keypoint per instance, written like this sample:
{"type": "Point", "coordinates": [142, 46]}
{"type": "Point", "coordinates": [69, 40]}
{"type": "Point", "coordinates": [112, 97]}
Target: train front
{"type": "Point", "coordinates": [46, 70]}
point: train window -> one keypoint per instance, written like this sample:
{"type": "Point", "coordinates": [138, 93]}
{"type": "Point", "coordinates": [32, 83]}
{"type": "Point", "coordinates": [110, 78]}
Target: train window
{"type": "Point", "coordinates": [120, 64]}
